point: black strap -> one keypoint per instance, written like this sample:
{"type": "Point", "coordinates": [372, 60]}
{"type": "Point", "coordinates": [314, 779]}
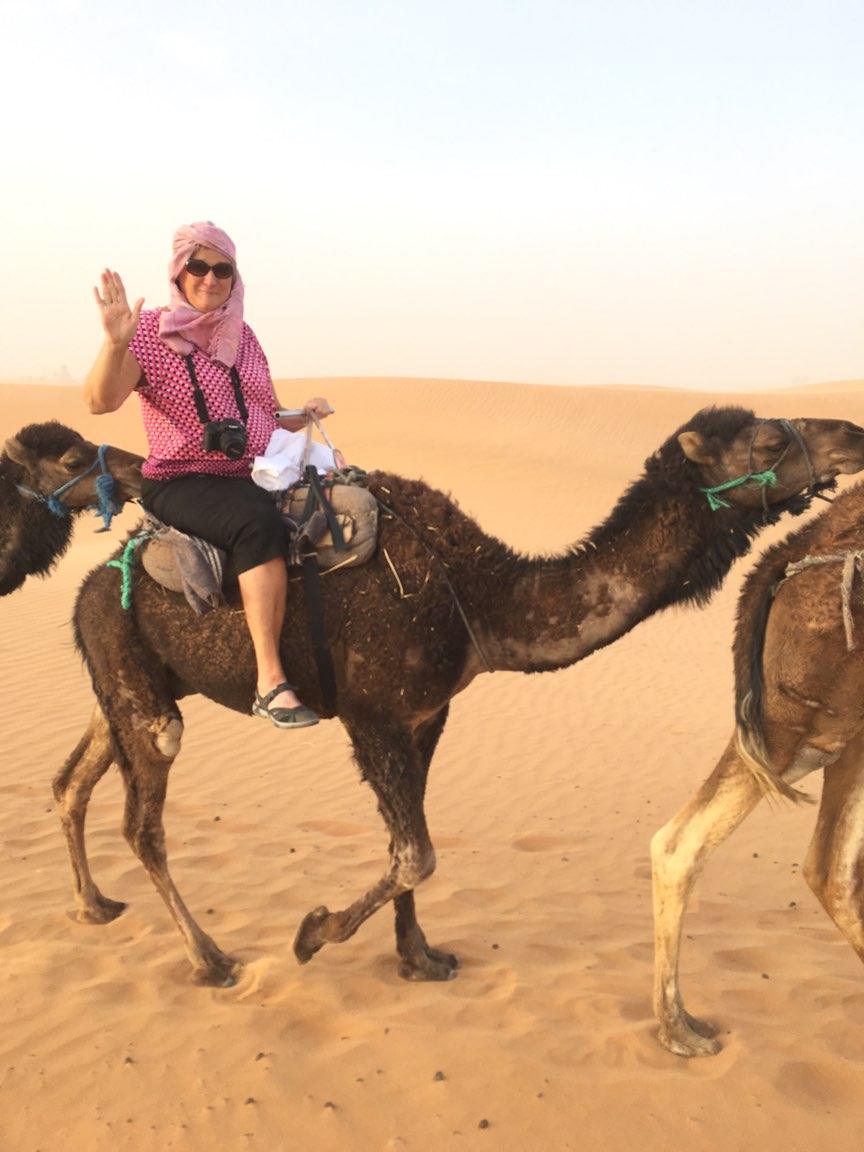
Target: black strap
{"type": "Point", "coordinates": [201, 403]}
{"type": "Point", "coordinates": [317, 496]}
{"type": "Point", "coordinates": [320, 647]}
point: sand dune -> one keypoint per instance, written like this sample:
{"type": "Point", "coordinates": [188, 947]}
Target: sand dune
{"type": "Point", "coordinates": [542, 799]}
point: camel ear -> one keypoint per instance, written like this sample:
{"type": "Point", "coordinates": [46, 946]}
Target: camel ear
{"type": "Point", "coordinates": [695, 448]}
{"type": "Point", "coordinates": [16, 451]}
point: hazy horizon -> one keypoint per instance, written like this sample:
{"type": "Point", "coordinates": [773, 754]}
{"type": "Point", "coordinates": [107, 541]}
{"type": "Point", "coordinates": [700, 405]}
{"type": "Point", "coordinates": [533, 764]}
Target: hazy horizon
{"type": "Point", "coordinates": [545, 193]}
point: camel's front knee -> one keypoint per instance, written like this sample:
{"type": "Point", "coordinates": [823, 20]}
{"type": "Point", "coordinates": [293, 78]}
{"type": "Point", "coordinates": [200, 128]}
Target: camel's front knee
{"type": "Point", "coordinates": [166, 733]}
{"type": "Point", "coordinates": [413, 864]}
{"type": "Point", "coordinates": [669, 865]}
{"type": "Point", "coordinates": [150, 739]}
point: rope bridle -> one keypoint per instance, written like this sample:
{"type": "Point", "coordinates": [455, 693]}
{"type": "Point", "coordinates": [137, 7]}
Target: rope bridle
{"type": "Point", "coordinates": [107, 505]}
{"type": "Point", "coordinates": [768, 477]}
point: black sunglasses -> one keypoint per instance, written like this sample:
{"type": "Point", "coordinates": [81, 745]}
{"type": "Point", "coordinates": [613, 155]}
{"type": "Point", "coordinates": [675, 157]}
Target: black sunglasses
{"type": "Point", "coordinates": [200, 268]}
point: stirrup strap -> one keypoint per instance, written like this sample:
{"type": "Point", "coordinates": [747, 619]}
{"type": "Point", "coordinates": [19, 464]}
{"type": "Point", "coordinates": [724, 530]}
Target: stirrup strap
{"type": "Point", "coordinates": [318, 635]}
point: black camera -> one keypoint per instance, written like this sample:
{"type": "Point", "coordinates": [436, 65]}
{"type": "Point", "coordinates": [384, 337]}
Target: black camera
{"type": "Point", "coordinates": [225, 436]}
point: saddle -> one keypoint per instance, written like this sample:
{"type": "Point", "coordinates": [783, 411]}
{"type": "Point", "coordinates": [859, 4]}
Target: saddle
{"type": "Point", "coordinates": [334, 520]}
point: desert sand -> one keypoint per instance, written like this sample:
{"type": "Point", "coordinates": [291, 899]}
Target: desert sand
{"type": "Point", "coordinates": [543, 796]}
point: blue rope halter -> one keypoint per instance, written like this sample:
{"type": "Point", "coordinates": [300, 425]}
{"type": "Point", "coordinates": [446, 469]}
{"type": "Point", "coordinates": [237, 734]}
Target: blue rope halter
{"type": "Point", "coordinates": [108, 505]}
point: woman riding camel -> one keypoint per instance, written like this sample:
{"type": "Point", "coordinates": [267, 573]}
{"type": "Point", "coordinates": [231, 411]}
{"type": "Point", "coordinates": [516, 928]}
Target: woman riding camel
{"type": "Point", "coordinates": [209, 409]}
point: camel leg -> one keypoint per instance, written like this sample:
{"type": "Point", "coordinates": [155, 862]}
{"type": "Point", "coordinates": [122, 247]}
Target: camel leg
{"type": "Point", "coordinates": [146, 730]}
{"type": "Point", "coordinates": [419, 960]}
{"type": "Point", "coordinates": [834, 866]}
{"type": "Point", "coordinates": [395, 762]}
{"type": "Point", "coordinates": [146, 786]}
{"type": "Point", "coordinates": [73, 786]}
{"type": "Point", "coordinates": [678, 853]}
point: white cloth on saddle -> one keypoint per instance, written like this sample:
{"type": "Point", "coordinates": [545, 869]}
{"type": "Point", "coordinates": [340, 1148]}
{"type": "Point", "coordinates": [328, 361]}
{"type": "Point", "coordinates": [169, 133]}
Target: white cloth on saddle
{"type": "Point", "coordinates": [282, 462]}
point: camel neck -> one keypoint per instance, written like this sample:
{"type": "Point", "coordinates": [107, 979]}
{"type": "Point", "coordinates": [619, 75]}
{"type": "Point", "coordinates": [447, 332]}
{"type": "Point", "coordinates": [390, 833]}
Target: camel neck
{"type": "Point", "coordinates": [654, 550]}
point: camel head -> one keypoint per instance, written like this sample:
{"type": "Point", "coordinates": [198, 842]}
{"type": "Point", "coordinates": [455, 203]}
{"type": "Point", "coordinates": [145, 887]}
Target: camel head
{"type": "Point", "coordinates": [48, 457]}
{"type": "Point", "coordinates": [746, 462]}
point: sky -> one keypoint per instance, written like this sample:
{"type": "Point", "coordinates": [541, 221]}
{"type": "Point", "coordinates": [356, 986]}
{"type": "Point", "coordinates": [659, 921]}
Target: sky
{"type": "Point", "coordinates": [574, 192]}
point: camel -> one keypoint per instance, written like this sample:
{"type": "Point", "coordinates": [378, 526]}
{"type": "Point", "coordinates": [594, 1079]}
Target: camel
{"type": "Point", "coordinates": [408, 634]}
{"type": "Point", "coordinates": [799, 693]}
{"type": "Point", "coordinates": [37, 464]}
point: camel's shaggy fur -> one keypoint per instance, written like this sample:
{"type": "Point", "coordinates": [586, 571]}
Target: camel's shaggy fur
{"type": "Point", "coordinates": [402, 651]}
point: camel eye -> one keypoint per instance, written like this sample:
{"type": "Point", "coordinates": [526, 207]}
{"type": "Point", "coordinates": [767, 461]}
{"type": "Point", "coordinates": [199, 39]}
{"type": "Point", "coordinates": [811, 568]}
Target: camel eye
{"type": "Point", "coordinates": [73, 462]}
{"type": "Point", "coordinates": [774, 444]}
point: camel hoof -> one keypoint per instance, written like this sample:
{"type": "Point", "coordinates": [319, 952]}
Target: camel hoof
{"type": "Point", "coordinates": [220, 973]}
{"type": "Point", "coordinates": [102, 911]}
{"type": "Point", "coordinates": [307, 941]}
{"type": "Point", "coordinates": [431, 964]}
{"type": "Point", "coordinates": [702, 1028]}
{"type": "Point", "coordinates": [682, 1038]}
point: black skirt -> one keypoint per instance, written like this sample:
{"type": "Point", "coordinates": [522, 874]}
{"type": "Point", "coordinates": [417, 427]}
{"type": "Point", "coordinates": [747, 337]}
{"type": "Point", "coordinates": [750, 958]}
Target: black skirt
{"type": "Point", "coordinates": [231, 512]}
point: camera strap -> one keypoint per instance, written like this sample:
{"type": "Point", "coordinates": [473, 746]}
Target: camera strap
{"type": "Point", "coordinates": [201, 403]}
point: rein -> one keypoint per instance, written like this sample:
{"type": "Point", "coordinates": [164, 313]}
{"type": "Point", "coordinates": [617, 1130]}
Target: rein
{"type": "Point", "coordinates": [107, 506]}
{"type": "Point", "coordinates": [767, 478]}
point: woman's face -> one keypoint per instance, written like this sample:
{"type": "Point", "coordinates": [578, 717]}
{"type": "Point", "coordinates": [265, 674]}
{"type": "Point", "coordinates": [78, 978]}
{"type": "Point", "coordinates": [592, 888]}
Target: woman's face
{"type": "Point", "coordinates": [206, 292]}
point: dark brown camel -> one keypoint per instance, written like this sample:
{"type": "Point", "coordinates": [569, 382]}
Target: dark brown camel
{"type": "Point", "coordinates": [402, 650]}
{"type": "Point", "coordinates": [39, 461]}
{"type": "Point", "coordinates": [799, 676]}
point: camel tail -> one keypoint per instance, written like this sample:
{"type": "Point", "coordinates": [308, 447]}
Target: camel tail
{"type": "Point", "coordinates": [754, 608]}
{"type": "Point", "coordinates": [750, 746]}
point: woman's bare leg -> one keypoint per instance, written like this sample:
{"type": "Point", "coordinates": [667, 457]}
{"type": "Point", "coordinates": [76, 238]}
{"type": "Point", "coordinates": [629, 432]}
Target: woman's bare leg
{"type": "Point", "coordinates": [263, 590]}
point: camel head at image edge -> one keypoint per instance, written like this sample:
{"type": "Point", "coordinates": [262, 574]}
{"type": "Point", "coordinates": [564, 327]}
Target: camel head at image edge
{"type": "Point", "coordinates": [766, 462]}
{"type": "Point", "coordinates": [45, 458]}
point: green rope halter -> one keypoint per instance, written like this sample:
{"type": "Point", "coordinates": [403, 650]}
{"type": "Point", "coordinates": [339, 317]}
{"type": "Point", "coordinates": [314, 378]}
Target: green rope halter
{"type": "Point", "coordinates": [766, 479]}
{"type": "Point", "coordinates": [126, 564]}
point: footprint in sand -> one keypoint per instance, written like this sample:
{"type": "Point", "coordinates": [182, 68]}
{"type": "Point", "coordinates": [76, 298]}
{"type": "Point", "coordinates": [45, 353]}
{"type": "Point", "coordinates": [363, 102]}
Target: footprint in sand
{"type": "Point", "coordinates": [743, 959]}
{"type": "Point", "coordinates": [538, 842]}
{"type": "Point", "coordinates": [809, 1082]}
{"type": "Point", "coordinates": [335, 828]}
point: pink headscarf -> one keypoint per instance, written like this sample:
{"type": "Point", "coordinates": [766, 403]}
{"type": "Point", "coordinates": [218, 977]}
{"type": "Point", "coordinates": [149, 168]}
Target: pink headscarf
{"type": "Point", "coordinates": [182, 327]}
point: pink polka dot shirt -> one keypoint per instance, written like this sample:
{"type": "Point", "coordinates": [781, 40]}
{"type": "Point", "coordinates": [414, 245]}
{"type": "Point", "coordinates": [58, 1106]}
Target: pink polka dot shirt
{"type": "Point", "coordinates": [174, 431]}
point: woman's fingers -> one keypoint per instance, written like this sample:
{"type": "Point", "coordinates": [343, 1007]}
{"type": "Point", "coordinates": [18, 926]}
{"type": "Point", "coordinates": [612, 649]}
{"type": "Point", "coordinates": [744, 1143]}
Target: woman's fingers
{"type": "Point", "coordinates": [319, 407]}
{"type": "Point", "coordinates": [113, 293]}
{"type": "Point", "coordinates": [112, 287]}
{"type": "Point", "coordinates": [119, 322]}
